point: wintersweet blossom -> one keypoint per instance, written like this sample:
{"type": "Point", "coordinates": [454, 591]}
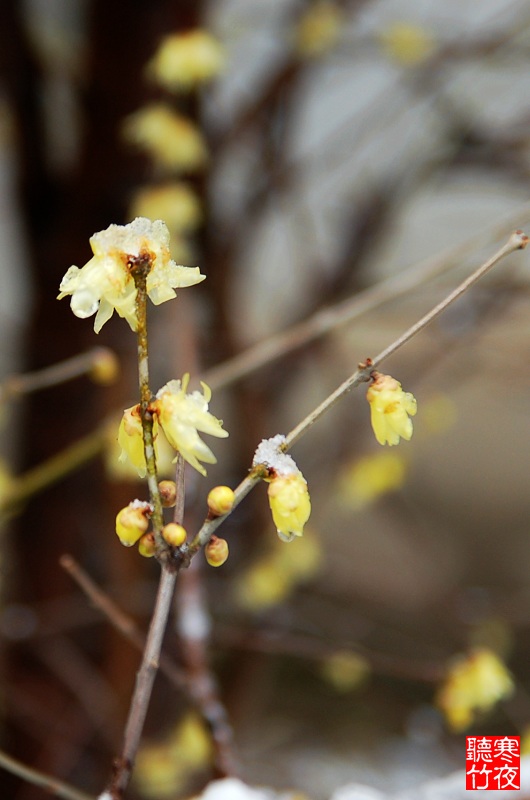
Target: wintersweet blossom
{"type": "Point", "coordinates": [391, 409]}
{"type": "Point", "coordinates": [131, 441]}
{"type": "Point", "coordinates": [474, 684]}
{"type": "Point", "coordinates": [172, 140]}
{"type": "Point", "coordinates": [182, 416]}
{"type": "Point", "coordinates": [186, 60]}
{"type": "Point", "coordinates": [106, 284]}
{"type": "Point", "coordinates": [290, 505]}
{"type": "Point", "coordinates": [288, 494]}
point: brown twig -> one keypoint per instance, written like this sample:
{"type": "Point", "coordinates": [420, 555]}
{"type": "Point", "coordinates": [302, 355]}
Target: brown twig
{"type": "Point", "coordinates": [47, 782]}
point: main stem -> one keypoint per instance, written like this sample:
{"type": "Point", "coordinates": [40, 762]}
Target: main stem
{"type": "Point", "coordinates": [150, 660]}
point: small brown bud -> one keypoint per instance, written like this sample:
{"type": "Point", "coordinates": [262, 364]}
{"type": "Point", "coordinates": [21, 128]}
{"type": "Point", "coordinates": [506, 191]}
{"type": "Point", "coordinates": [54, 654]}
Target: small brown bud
{"type": "Point", "coordinates": [216, 551]}
{"type": "Point", "coordinates": [168, 493]}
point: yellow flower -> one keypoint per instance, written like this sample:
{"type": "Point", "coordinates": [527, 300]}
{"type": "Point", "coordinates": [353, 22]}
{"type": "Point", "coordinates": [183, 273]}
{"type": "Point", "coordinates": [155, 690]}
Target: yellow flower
{"type": "Point", "coordinates": [182, 416]}
{"type": "Point", "coordinates": [185, 60]}
{"type": "Point", "coordinates": [474, 684]}
{"type": "Point", "coordinates": [105, 283]}
{"type": "Point", "coordinates": [290, 504]}
{"type": "Point", "coordinates": [131, 440]}
{"type": "Point", "coordinates": [175, 202]}
{"type": "Point", "coordinates": [172, 141]}
{"type": "Point", "coordinates": [318, 29]}
{"type": "Point", "coordinates": [407, 43]}
{"type": "Point", "coordinates": [390, 409]}
{"type": "Point", "coordinates": [363, 481]}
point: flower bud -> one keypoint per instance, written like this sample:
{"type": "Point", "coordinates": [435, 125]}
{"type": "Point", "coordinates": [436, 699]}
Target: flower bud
{"type": "Point", "coordinates": [174, 534]}
{"type": "Point", "coordinates": [105, 367]}
{"type": "Point", "coordinates": [216, 551]}
{"type": "Point", "coordinates": [290, 504]}
{"type": "Point", "coordinates": [220, 500]}
{"type": "Point", "coordinates": [147, 545]}
{"type": "Point", "coordinates": [132, 522]}
{"type": "Point", "coordinates": [168, 493]}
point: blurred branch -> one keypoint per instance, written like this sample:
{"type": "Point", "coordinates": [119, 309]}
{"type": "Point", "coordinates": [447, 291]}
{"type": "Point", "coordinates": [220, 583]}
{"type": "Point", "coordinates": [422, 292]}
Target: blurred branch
{"type": "Point", "coordinates": [47, 782]}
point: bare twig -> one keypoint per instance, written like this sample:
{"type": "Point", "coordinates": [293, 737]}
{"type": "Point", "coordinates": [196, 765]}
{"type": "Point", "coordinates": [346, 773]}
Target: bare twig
{"type": "Point", "coordinates": [47, 782]}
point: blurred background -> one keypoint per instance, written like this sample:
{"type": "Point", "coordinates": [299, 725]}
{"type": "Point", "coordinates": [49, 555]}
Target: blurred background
{"type": "Point", "coordinates": [302, 154]}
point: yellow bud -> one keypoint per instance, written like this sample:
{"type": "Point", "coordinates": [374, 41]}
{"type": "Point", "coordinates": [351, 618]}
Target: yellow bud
{"type": "Point", "coordinates": [105, 367]}
{"type": "Point", "coordinates": [174, 534]}
{"type": "Point", "coordinates": [220, 500]}
{"type": "Point", "coordinates": [168, 493]}
{"type": "Point", "coordinates": [216, 551]}
{"type": "Point", "coordinates": [147, 545]}
{"type": "Point", "coordinates": [132, 522]}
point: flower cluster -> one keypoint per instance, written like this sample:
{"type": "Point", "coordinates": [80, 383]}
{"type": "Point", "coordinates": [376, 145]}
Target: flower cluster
{"type": "Point", "coordinates": [106, 284]}
{"type": "Point", "coordinates": [181, 417]}
{"type": "Point", "coordinates": [288, 494]}
{"type": "Point", "coordinates": [391, 409]}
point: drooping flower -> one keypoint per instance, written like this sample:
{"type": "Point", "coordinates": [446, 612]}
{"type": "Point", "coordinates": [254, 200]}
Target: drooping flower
{"type": "Point", "coordinates": [182, 416]}
{"type": "Point", "coordinates": [172, 141]}
{"type": "Point", "coordinates": [186, 60]}
{"type": "Point", "coordinates": [106, 284]}
{"type": "Point", "coordinates": [391, 409]}
{"type": "Point", "coordinates": [290, 504]}
{"type": "Point", "coordinates": [131, 441]}
{"type": "Point", "coordinates": [474, 684]}
{"type": "Point", "coordinates": [288, 494]}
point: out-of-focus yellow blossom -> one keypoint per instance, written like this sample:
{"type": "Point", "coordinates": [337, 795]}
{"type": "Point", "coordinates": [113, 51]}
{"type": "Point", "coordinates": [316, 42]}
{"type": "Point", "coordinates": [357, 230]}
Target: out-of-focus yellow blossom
{"type": "Point", "coordinates": [272, 578]}
{"type": "Point", "coordinates": [318, 29]}
{"type": "Point", "coordinates": [407, 43]}
{"type": "Point", "coordinates": [186, 60]}
{"type": "Point", "coordinates": [474, 684]}
{"type": "Point", "coordinates": [106, 284]}
{"type": "Point", "coordinates": [370, 477]}
{"type": "Point", "coordinates": [345, 670]}
{"type": "Point", "coordinates": [390, 409]}
{"type": "Point", "coordinates": [438, 414]}
{"type": "Point", "coordinates": [105, 368]}
{"type": "Point", "coordinates": [174, 202]}
{"type": "Point", "coordinates": [132, 522]}
{"type": "Point", "coordinates": [171, 140]}
{"type": "Point", "coordinates": [290, 504]}
{"type": "Point", "coordinates": [525, 741]}
{"type": "Point", "coordinates": [130, 439]}
{"type": "Point", "coordinates": [163, 770]}
{"type": "Point", "coordinates": [182, 416]}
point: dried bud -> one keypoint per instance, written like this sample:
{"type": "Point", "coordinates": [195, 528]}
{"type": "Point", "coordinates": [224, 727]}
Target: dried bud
{"type": "Point", "coordinates": [147, 545]}
{"type": "Point", "coordinates": [105, 367]}
{"type": "Point", "coordinates": [168, 493]}
{"type": "Point", "coordinates": [174, 534]}
{"type": "Point", "coordinates": [220, 500]}
{"type": "Point", "coordinates": [132, 522]}
{"type": "Point", "coordinates": [216, 551]}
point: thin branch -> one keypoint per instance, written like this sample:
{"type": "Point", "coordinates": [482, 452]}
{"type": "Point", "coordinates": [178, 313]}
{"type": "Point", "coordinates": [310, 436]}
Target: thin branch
{"type": "Point", "coordinates": [144, 684]}
{"type": "Point", "coordinates": [66, 370]}
{"type": "Point", "coordinates": [517, 241]}
{"type": "Point", "coordinates": [47, 782]}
